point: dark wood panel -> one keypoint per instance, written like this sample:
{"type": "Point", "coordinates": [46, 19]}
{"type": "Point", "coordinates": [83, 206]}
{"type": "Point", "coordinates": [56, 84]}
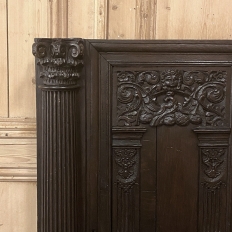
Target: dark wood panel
{"type": "Point", "coordinates": [148, 181]}
{"type": "Point", "coordinates": [92, 132]}
{"type": "Point", "coordinates": [172, 46]}
{"type": "Point", "coordinates": [105, 154]}
{"type": "Point", "coordinates": [177, 179]}
{"type": "Point", "coordinates": [137, 141]}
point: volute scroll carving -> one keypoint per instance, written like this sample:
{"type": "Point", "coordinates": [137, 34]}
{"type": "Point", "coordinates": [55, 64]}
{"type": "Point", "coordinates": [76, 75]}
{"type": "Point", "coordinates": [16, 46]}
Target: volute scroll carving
{"type": "Point", "coordinates": [171, 97]}
{"type": "Point", "coordinates": [60, 61]}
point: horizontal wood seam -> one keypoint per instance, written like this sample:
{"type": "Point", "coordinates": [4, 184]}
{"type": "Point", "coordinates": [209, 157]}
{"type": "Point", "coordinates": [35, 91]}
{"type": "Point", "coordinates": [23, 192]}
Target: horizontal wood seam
{"type": "Point", "coordinates": [18, 150]}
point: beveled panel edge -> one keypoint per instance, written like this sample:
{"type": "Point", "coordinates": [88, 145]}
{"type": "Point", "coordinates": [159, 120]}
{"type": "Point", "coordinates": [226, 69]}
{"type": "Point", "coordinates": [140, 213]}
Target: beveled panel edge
{"type": "Point", "coordinates": [213, 136]}
{"type": "Point", "coordinates": [164, 46]}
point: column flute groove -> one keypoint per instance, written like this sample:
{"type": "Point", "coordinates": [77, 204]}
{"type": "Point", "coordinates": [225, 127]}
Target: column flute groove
{"type": "Point", "coordinates": [59, 63]}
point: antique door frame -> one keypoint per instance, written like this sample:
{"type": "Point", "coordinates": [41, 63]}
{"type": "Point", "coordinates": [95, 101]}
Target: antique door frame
{"type": "Point", "coordinates": [74, 79]}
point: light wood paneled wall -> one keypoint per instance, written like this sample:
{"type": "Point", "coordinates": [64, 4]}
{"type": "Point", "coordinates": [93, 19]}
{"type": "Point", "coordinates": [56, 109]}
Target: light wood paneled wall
{"type": "Point", "coordinates": [3, 60]}
{"type": "Point", "coordinates": [18, 204]}
{"type": "Point", "coordinates": [193, 19]}
{"type": "Point", "coordinates": [22, 20]}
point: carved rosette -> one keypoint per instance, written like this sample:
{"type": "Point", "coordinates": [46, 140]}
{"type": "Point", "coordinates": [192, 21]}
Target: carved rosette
{"type": "Point", "coordinates": [213, 178]}
{"type": "Point", "coordinates": [60, 61]}
{"type": "Point", "coordinates": [171, 97]}
{"type": "Point", "coordinates": [126, 165]}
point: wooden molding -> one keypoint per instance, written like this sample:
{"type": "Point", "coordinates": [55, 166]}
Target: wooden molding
{"type": "Point", "coordinates": [17, 150]}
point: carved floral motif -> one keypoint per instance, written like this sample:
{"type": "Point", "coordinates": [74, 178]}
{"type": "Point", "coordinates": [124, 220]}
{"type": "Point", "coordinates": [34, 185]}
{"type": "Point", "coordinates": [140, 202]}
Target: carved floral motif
{"type": "Point", "coordinates": [61, 60]}
{"type": "Point", "coordinates": [171, 97]}
{"type": "Point", "coordinates": [127, 162]}
{"type": "Point", "coordinates": [212, 158]}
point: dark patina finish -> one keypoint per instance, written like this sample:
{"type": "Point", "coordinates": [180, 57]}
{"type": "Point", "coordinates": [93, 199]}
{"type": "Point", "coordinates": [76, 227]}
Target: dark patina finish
{"type": "Point", "coordinates": [133, 136]}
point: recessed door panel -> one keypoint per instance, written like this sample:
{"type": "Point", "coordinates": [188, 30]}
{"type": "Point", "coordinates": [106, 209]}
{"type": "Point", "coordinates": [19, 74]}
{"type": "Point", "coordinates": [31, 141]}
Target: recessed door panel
{"type": "Point", "coordinates": [177, 179]}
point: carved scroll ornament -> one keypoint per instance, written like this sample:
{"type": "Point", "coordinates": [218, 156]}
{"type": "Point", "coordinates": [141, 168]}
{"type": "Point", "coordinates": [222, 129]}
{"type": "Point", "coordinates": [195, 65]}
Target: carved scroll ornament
{"type": "Point", "coordinates": [61, 60]}
{"type": "Point", "coordinates": [171, 97]}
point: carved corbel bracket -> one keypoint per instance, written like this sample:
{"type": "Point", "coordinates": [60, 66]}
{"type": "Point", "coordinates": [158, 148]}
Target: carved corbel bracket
{"type": "Point", "coordinates": [60, 61]}
{"type": "Point", "coordinates": [213, 177]}
{"type": "Point", "coordinates": [126, 144]}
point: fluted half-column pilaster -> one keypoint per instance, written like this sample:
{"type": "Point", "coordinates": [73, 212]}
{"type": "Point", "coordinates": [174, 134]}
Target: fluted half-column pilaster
{"type": "Point", "coordinates": [126, 182]}
{"type": "Point", "coordinates": [213, 178]}
{"type": "Point", "coordinates": [58, 66]}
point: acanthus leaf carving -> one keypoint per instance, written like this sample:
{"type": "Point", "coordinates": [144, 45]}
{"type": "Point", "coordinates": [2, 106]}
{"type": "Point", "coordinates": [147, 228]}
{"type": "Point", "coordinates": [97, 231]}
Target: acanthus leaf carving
{"type": "Point", "coordinates": [61, 60]}
{"type": "Point", "coordinates": [213, 158]}
{"type": "Point", "coordinates": [171, 97]}
{"type": "Point", "coordinates": [127, 162]}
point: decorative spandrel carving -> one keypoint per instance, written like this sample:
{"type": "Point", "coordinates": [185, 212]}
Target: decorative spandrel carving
{"type": "Point", "coordinates": [127, 162]}
{"type": "Point", "coordinates": [171, 97]}
{"type": "Point", "coordinates": [61, 60]}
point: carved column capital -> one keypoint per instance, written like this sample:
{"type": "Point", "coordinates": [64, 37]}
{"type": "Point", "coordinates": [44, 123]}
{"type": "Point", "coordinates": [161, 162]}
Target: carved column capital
{"type": "Point", "coordinates": [60, 61]}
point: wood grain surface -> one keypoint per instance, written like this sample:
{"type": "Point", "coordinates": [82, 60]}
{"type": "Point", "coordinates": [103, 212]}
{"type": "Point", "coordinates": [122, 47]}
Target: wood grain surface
{"type": "Point", "coordinates": [3, 58]}
{"type": "Point", "coordinates": [193, 19]}
{"type": "Point", "coordinates": [23, 25]}
{"type": "Point", "coordinates": [17, 150]}
{"type": "Point", "coordinates": [18, 207]}
{"type": "Point", "coordinates": [22, 21]}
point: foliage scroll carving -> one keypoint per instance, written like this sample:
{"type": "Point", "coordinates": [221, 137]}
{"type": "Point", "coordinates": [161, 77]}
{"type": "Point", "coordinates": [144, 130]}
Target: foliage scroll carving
{"type": "Point", "coordinates": [61, 60]}
{"type": "Point", "coordinates": [127, 162]}
{"type": "Point", "coordinates": [171, 97]}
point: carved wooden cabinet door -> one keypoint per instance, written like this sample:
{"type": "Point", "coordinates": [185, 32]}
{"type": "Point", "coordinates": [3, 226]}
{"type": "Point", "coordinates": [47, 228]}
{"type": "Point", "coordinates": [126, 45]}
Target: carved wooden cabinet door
{"type": "Point", "coordinates": [152, 126]}
{"type": "Point", "coordinates": [160, 136]}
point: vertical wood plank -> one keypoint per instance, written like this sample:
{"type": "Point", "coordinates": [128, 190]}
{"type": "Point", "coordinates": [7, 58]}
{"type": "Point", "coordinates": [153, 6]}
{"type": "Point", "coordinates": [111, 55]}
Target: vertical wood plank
{"type": "Point", "coordinates": [81, 16]}
{"type": "Point", "coordinates": [26, 19]}
{"type": "Point", "coordinates": [194, 19]}
{"type": "Point", "coordinates": [122, 18]}
{"type": "Point", "coordinates": [145, 19]}
{"type": "Point", "coordinates": [177, 179]}
{"type": "Point", "coordinates": [58, 18]}
{"type": "Point", "coordinates": [101, 19]}
{"type": "Point", "coordinates": [18, 207]}
{"type": "Point", "coordinates": [133, 19]}
{"type": "Point", "coordinates": [3, 59]}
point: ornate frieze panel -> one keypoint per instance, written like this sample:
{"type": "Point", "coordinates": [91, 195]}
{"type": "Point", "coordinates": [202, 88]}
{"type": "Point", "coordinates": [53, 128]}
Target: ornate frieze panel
{"type": "Point", "coordinates": [171, 97]}
{"type": "Point", "coordinates": [213, 178]}
{"type": "Point", "coordinates": [60, 60]}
